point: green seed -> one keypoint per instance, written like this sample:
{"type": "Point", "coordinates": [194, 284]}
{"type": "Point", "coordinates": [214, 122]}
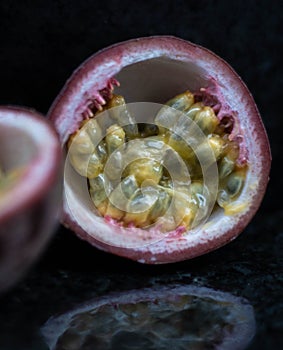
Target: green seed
{"type": "Point", "coordinates": [153, 143]}
{"type": "Point", "coordinates": [234, 184]}
{"type": "Point", "coordinates": [115, 138]}
{"type": "Point", "coordinates": [114, 166]}
{"type": "Point", "coordinates": [80, 143]}
{"type": "Point", "coordinates": [166, 117]}
{"type": "Point", "coordinates": [206, 120]}
{"type": "Point", "coordinates": [101, 151]}
{"type": "Point", "coordinates": [223, 198]}
{"type": "Point", "coordinates": [129, 186]}
{"type": "Point", "coordinates": [137, 202]}
{"type": "Point", "coordinates": [122, 116]}
{"type": "Point", "coordinates": [139, 207]}
{"type": "Point", "coordinates": [226, 167]}
{"type": "Point", "coordinates": [93, 130]}
{"type": "Point", "coordinates": [161, 205]}
{"type": "Point", "coordinates": [180, 146]}
{"type": "Point", "coordinates": [112, 210]}
{"type": "Point", "coordinates": [145, 169]}
{"type": "Point", "coordinates": [231, 188]}
{"type": "Point", "coordinates": [94, 166]}
{"type": "Point", "coordinates": [97, 189]}
{"type": "Point", "coordinates": [182, 210]}
{"type": "Point", "coordinates": [147, 130]}
{"type": "Point", "coordinates": [88, 166]}
{"type": "Point", "coordinates": [166, 180]}
{"type": "Point", "coordinates": [182, 101]}
{"type": "Point", "coordinates": [131, 131]}
{"type": "Point", "coordinates": [193, 110]}
{"type": "Point", "coordinates": [199, 198]}
{"type": "Point", "coordinates": [176, 169]}
{"type": "Point", "coordinates": [194, 169]}
{"type": "Point", "coordinates": [217, 145]}
{"type": "Point", "coordinates": [205, 154]}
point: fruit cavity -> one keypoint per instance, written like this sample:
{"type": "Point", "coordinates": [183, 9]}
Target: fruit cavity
{"type": "Point", "coordinates": [146, 190]}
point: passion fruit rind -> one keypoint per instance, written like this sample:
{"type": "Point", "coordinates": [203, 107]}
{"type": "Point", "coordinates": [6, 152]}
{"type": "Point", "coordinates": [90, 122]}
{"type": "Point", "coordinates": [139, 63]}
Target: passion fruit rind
{"type": "Point", "coordinates": [84, 89]}
{"type": "Point", "coordinates": [154, 69]}
{"type": "Point", "coordinates": [30, 189]}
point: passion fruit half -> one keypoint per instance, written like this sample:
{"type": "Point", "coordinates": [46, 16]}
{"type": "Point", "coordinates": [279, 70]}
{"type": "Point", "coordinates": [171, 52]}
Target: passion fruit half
{"type": "Point", "coordinates": [30, 189]}
{"type": "Point", "coordinates": [96, 126]}
{"type": "Point", "coordinates": [176, 316]}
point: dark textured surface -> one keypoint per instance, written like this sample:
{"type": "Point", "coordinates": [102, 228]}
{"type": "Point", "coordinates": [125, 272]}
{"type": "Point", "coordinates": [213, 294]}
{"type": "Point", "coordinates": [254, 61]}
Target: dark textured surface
{"type": "Point", "coordinates": [41, 44]}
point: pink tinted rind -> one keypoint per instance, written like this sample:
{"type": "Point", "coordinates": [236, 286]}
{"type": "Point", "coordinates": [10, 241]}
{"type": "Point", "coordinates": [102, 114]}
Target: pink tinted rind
{"type": "Point", "coordinates": [91, 76]}
{"type": "Point", "coordinates": [29, 211]}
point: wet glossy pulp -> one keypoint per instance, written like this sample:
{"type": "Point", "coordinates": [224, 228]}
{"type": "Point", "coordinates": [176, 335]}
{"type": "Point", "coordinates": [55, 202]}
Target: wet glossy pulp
{"type": "Point", "coordinates": [146, 189]}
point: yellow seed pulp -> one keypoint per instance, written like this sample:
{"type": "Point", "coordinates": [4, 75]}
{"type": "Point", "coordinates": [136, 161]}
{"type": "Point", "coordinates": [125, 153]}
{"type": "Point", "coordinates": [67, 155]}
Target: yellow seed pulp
{"type": "Point", "coordinates": [146, 177]}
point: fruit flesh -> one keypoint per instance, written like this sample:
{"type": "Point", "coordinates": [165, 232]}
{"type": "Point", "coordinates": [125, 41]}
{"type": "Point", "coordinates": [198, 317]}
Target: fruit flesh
{"type": "Point", "coordinates": [87, 160]}
{"type": "Point", "coordinates": [155, 69]}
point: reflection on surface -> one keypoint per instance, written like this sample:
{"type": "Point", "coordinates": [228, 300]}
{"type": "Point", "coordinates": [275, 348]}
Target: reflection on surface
{"type": "Point", "coordinates": [172, 317]}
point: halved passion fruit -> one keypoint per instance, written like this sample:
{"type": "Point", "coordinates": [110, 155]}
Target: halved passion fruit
{"type": "Point", "coordinates": [176, 172]}
{"type": "Point", "coordinates": [30, 189]}
{"type": "Point", "coordinates": [176, 316]}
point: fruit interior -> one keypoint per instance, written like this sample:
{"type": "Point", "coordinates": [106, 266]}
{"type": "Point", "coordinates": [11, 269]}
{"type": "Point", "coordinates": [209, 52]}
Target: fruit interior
{"type": "Point", "coordinates": [179, 322]}
{"type": "Point", "coordinates": [187, 88]}
{"type": "Point", "coordinates": [17, 150]}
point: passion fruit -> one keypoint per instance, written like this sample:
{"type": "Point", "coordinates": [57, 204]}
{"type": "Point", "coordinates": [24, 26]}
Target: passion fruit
{"type": "Point", "coordinates": [176, 316]}
{"type": "Point", "coordinates": [30, 189]}
{"type": "Point", "coordinates": [207, 130]}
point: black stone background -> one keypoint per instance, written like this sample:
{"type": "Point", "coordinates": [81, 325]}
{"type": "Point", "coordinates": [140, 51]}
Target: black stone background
{"type": "Point", "coordinates": [41, 43]}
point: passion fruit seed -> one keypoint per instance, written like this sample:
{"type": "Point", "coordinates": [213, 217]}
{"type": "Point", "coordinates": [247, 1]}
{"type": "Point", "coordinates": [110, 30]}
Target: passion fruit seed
{"type": "Point", "coordinates": [181, 102]}
{"type": "Point", "coordinates": [145, 169]}
{"type": "Point", "coordinates": [146, 190]}
{"type": "Point", "coordinates": [93, 130]}
{"type": "Point", "coordinates": [139, 207]}
{"type": "Point", "coordinates": [206, 120]}
{"type": "Point", "coordinates": [226, 166]}
{"type": "Point", "coordinates": [115, 138]}
{"type": "Point", "coordinates": [97, 189]}
{"type": "Point", "coordinates": [122, 116]}
{"type": "Point", "coordinates": [193, 110]}
{"type": "Point", "coordinates": [230, 187]}
{"type": "Point", "coordinates": [161, 205]}
{"type": "Point", "coordinates": [180, 146]}
{"type": "Point", "coordinates": [82, 143]}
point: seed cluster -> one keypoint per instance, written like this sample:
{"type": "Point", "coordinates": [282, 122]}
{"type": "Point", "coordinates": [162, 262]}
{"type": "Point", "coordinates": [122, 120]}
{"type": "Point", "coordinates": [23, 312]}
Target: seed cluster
{"type": "Point", "coordinates": [151, 189]}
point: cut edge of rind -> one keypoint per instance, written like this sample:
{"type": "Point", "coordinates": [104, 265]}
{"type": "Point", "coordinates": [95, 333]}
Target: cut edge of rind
{"type": "Point", "coordinates": [260, 162]}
